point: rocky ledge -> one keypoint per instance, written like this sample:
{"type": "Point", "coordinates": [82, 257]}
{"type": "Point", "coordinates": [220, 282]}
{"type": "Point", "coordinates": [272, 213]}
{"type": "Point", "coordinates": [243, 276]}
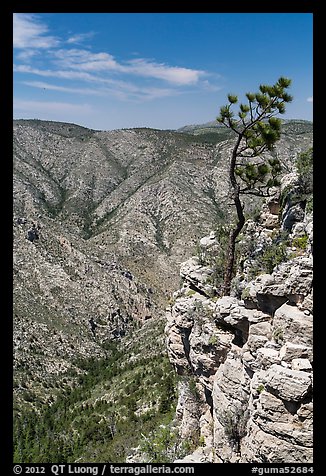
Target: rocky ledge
{"type": "Point", "coordinates": [245, 362]}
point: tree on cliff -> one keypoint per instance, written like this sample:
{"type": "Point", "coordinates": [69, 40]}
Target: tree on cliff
{"type": "Point", "coordinates": [250, 170]}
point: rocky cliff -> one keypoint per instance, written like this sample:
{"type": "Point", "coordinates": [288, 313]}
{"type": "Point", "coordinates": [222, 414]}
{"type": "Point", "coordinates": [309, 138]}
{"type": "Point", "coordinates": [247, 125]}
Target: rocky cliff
{"type": "Point", "coordinates": [245, 361]}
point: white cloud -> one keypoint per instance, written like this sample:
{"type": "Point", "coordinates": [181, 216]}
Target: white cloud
{"type": "Point", "coordinates": [85, 60]}
{"type": "Point", "coordinates": [172, 74]}
{"type": "Point", "coordinates": [121, 90]}
{"type": "Point", "coordinates": [22, 68]}
{"type": "Point", "coordinates": [54, 87]}
{"type": "Point", "coordinates": [30, 32]}
{"type": "Point", "coordinates": [211, 87]}
{"type": "Point", "coordinates": [124, 90]}
{"type": "Point", "coordinates": [26, 55]}
{"type": "Point", "coordinates": [310, 99]}
{"type": "Point", "coordinates": [80, 38]}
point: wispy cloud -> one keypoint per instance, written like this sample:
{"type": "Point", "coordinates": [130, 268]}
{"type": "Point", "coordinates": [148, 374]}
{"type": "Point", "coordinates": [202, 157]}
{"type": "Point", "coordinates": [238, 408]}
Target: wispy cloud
{"type": "Point", "coordinates": [88, 61]}
{"type": "Point", "coordinates": [85, 60]}
{"type": "Point", "coordinates": [30, 32]}
{"type": "Point", "coordinates": [54, 87]}
{"type": "Point", "coordinates": [26, 55]}
{"type": "Point", "coordinates": [80, 37]}
{"type": "Point", "coordinates": [310, 99]}
{"type": "Point", "coordinates": [23, 68]}
{"type": "Point", "coordinates": [172, 74]}
{"type": "Point", "coordinates": [121, 90]}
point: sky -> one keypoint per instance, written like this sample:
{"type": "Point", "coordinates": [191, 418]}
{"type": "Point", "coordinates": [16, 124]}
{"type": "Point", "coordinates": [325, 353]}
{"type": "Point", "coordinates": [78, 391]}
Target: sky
{"type": "Point", "coordinates": [161, 70]}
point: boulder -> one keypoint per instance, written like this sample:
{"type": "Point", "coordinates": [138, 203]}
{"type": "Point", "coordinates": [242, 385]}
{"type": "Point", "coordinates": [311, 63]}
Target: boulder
{"type": "Point", "coordinates": [234, 314]}
{"type": "Point", "coordinates": [287, 384]}
{"type": "Point", "coordinates": [301, 364]}
{"type": "Point", "coordinates": [268, 220]}
{"type": "Point", "coordinates": [208, 241]}
{"type": "Point", "coordinates": [259, 446]}
{"type": "Point", "coordinates": [254, 342]}
{"type": "Point", "coordinates": [293, 325]}
{"type": "Point", "coordinates": [290, 281]}
{"type": "Point", "coordinates": [198, 276]}
{"type": "Point", "coordinates": [292, 214]}
{"type": "Point", "coordinates": [290, 351]}
{"type": "Point", "coordinates": [266, 357]}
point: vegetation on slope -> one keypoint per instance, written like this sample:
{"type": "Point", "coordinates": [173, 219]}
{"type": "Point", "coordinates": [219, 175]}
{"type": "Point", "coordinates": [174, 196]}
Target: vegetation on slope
{"type": "Point", "coordinates": [102, 415]}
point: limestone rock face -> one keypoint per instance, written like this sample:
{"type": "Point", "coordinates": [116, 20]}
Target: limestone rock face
{"type": "Point", "coordinates": [246, 363]}
{"type": "Point", "coordinates": [197, 275]}
{"type": "Point", "coordinates": [290, 281]}
{"type": "Point", "coordinates": [287, 384]}
{"type": "Point", "coordinates": [269, 216]}
{"type": "Point", "coordinates": [294, 325]}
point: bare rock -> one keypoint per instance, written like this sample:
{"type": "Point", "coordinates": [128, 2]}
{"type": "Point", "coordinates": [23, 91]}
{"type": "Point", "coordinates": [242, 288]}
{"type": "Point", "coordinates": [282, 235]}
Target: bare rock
{"type": "Point", "coordinates": [301, 364]}
{"type": "Point", "coordinates": [294, 325]}
{"type": "Point", "coordinates": [187, 411]}
{"type": "Point", "coordinates": [197, 275]}
{"type": "Point", "coordinates": [266, 357]}
{"type": "Point", "coordinates": [290, 351]}
{"type": "Point", "coordinates": [287, 384]}
{"type": "Point", "coordinates": [255, 342]}
{"type": "Point", "coordinates": [290, 281]}
{"type": "Point", "coordinates": [269, 220]}
{"type": "Point", "coordinates": [209, 241]}
{"type": "Point", "coordinates": [200, 455]}
{"type": "Point", "coordinates": [259, 446]}
{"type": "Point", "coordinates": [292, 215]}
{"type": "Point", "coordinates": [230, 402]}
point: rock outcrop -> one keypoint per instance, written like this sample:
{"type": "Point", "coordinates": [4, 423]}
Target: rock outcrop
{"type": "Point", "coordinates": [247, 359]}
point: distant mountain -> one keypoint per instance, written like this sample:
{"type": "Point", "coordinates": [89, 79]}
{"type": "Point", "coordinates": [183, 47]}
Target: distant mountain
{"type": "Point", "coordinates": [299, 125]}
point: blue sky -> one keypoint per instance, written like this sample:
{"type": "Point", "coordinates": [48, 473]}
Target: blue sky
{"type": "Point", "coordinates": [162, 70]}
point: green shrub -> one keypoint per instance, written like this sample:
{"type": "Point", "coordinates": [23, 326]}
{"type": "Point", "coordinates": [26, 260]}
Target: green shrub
{"type": "Point", "coordinates": [302, 190]}
{"type": "Point", "coordinates": [192, 387]}
{"type": "Point", "coordinates": [235, 425]}
{"type": "Point", "coordinates": [300, 242]}
{"type": "Point", "coordinates": [278, 335]}
{"type": "Point", "coordinates": [304, 166]}
{"type": "Point", "coordinates": [271, 256]}
{"type": "Point", "coordinates": [245, 294]}
{"type": "Point", "coordinates": [190, 292]}
{"type": "Point", "coordinates": [163, 445]}
{"type": "Point", "coordinates": [310, 204]}
{"type": "Point", "coordinates": [201, 441]}
{"type": "Point", "coordinates": [215, 260]}
{"type": "Point", "coordinates": [28, 396]}
{"type": "Point", "coordinates": [213, 340]}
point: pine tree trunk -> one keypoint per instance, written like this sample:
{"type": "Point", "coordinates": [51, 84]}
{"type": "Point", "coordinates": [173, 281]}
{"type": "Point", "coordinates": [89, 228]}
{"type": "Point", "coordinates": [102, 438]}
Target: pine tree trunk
{"type": "Point", "coordinates": [229, 269]}
{"type": "Point", "coordinates": [231, 253]}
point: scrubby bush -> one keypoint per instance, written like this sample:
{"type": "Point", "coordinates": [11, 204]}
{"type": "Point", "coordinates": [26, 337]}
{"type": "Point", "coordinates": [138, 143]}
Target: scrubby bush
{"type": "Point", "coordinates": [300, 242]}
{"type": "Point", "coordinates": [278, 335]}
{"type": "Point", "coordinates": [270, 256]}
{"type": "Point", "coordinates": [304, 166]}
{"type": "Point", "coordinates": [234, 422]}
{"type": "Point", "coordinates": [164, 445]}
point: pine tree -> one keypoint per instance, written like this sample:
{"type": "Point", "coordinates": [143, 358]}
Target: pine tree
{"type": "Point", "coordinates": [250, 171]}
